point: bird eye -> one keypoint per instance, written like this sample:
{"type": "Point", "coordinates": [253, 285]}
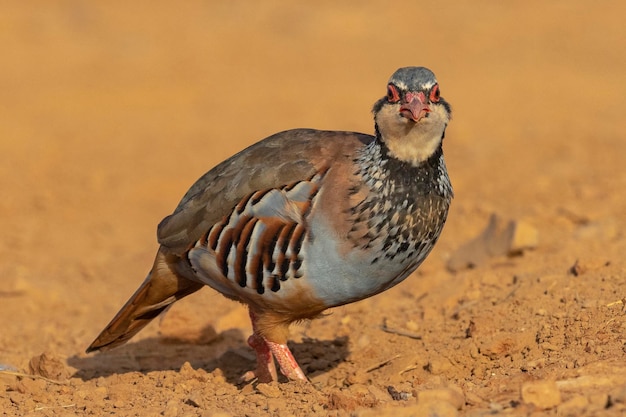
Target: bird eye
{"type": "Point", "coordinates": [392, 94]}
{"type": "Point", "coordinates": [434, 93]}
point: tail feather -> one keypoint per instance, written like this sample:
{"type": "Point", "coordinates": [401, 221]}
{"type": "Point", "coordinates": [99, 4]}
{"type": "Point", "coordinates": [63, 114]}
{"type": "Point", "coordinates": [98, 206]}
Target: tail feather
{"type": "Point", "coordinates": [161, 288]}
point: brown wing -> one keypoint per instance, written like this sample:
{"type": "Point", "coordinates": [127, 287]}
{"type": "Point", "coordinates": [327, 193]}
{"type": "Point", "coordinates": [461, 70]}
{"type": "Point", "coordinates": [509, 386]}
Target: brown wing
{"type": "Point", "coordinates": [281, 159]}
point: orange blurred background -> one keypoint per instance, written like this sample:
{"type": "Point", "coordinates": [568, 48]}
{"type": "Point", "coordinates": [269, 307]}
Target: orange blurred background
{"type": "Point", "coordinates": [110, 110]}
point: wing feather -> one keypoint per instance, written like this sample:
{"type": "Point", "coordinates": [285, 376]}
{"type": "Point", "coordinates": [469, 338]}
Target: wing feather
{"type": "Point", "coordinates": [303, 153]}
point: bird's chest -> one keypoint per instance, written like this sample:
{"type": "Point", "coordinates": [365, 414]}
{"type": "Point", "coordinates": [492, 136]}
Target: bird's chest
{"type": "Point", "coordinates": [371, 242]}
{"type": "Point", "coordinates": [398, 224]}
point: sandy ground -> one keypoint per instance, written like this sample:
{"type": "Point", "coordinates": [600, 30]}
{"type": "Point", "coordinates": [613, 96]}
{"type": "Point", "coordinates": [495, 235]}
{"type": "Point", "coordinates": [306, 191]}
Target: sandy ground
{"type": "Point", "coordinates": [110, 111]}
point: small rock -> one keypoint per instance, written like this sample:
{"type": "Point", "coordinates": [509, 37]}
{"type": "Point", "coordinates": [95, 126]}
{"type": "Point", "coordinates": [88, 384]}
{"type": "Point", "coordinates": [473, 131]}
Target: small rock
{"type": "Point", "coordinates": [274, 404]}
{"type": "Point", "coordinates": [524, 236]}
{"type": "Point", "coordinates": [358, 389]}
{"type": "Point", "coordinates": [31, 386]}
{"type": "Point", "coordinates": [573, 407]}
{"type": "Point", "coordinates": [412, 325]}
{"type": "Point", "coordinates": [268, 390]}
{"type": "Point", "coordinates": [171, 408]}
{"type": "Point", "coordinates": [500, 347]}
{"type": "Point", "coordinates": [319, 379]}
{"type": "Point", "coordinates": [81, 394]}
{"type": "Point", "coordinates": [49, 366]}
{"type": "Point", "coordinates": [218, 377]}
{"type": "Point", "coordinates": [618, 395]}
{"type": "Point", "coordinates": [543, 394]}
{"type": "Point", "coordinates": [359, 377]}
{"type": "Point", "coordinates": [247, 389]}
{"type": "Point", "coordinates": [363, 341]}
{"type": "Point", "coordinates": [598, 401]}
{"type": "Point", "coordinates": [605, 229]}
{"type": "Point", "coordinates": [186, 370]}
{"type": "Point", "coordinates": [195, 400]}
{"type": "Point", "coordinates": [473, 351]}
{"type": "Point", "coordinates": [442, 395]}
{"type": "Point", "coordinates": [582, 266]}
{"type": "Point", "coordinates": [549, 347]}
{"type": "Point", "coordinates": [431, 408]}
{"type": "Point", "coordinates": [534, 364]}
{"type": "Point", "coordinates": [380, 395]}
{"type": "Point", "coordinates": [98, 396]}
{"type": "Point", "coordinates": [438, 366]}
{"type": "Point", "coordinates": [473, 399]}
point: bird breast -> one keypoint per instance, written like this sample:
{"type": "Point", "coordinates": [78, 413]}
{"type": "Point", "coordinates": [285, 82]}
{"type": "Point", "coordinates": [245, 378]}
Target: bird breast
{"type": "Point", "coordinates": [392, 217]}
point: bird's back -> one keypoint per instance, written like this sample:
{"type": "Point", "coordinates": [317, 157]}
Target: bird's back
{"type": "Point", "coordinates": [279, 160]}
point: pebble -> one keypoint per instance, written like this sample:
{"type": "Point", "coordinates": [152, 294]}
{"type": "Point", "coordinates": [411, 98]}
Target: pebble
{"type": "Point", "coordinates": [573, 407]}
{"type": "Point", "coordinates": [525, 236]}
{"type": "Point", "coordinates": [598, 401]}
{"type": "Point", "coordinates": [582, 266]}
{"type": "Point", "coordinates": [195, 400]}
{"type": "Point", "coordinates": [417, 410]}
{"type": "Point", "coordinates": [618, 395]}
{"type": "Point", "coordinates": [450, 396]}
{"type": "Point", "coordinates": [171, 409]}
{"type": "Point", "coordinates": [268, 390]}
{"type": "Point", "coordinates": [275, 404]}
{"type": "Point", "coordinates": [412, 325]}
{"type": "Point", "coordinates": [605, 229]}
{"type": "Point", "coordinates": [49, 366]}
{"type": "Point", "coordinates": [438, 366]}
{"type": "Point", "coordinates": [543, 394]}
{"type": "Point", "coordinates": [431, 408]}
{"type": "Point", "coordinates": [380, 395]}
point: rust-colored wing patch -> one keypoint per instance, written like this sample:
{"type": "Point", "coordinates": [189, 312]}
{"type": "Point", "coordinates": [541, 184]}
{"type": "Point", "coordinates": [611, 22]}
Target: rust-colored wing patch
{"type": "Point", "coordinates": [258, 245]}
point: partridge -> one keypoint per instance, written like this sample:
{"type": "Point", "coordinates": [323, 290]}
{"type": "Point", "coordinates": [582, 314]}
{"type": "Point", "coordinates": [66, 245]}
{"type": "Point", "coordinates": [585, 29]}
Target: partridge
{"type": "Point", "coordinates": [305, 220]}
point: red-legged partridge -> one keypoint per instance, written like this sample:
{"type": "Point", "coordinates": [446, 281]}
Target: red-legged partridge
{"type": "Point", "coordinates": [305, 220]}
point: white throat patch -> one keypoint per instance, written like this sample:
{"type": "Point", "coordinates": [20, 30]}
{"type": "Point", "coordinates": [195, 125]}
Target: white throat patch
{"type": "Point", "coordinates": [408, 141]}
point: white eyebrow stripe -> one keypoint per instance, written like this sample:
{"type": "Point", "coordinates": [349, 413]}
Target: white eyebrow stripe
{"type": "Point", "coordinates": [402, 86]}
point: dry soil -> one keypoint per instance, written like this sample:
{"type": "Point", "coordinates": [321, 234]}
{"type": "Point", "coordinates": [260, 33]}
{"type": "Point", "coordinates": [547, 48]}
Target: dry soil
{"type": "Point", "coordinates": [110, 110]}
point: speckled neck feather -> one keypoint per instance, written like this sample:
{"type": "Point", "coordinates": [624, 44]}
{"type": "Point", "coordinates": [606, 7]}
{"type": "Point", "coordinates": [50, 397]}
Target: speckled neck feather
{"type": "Point", "coordinates": [406, 206]}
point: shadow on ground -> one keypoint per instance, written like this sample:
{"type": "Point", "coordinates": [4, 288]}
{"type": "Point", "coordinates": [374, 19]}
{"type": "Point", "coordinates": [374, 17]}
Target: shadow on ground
{"type": "Point", "coordinates": [228, 352]}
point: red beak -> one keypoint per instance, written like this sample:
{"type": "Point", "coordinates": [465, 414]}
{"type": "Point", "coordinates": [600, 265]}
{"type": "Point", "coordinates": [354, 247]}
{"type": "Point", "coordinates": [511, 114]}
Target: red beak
{"type": "Point", "coordinates": [414, 106]}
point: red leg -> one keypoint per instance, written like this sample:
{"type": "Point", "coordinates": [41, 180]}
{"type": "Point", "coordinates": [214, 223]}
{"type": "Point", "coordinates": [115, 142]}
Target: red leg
{"type": "Point", "coordinates": [266, 351]}
{"type": "Point", "coordinates": [288, 365]}
{"type": "Point", "coordinates": [265, 369]}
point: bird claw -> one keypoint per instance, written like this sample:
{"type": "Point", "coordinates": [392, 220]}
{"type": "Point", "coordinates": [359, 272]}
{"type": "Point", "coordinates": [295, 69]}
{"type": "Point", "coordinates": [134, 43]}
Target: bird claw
{"type": "Point", "coordinates": [288, 365]}
{"type": "Point", "coordinates": [265, 370]}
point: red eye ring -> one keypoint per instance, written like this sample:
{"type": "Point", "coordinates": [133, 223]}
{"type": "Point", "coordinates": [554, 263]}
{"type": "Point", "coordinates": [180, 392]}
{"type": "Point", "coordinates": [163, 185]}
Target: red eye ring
{"type": "Point", "coordinates": [392, 94]}
{"type": "Point", "coordinates": [434, 94]}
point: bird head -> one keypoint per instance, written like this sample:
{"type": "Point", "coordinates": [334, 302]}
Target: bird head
{"type": "Point", "coordinates": [412, 117]}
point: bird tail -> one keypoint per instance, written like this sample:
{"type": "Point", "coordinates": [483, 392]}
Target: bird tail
{"type": "Point", "coordinates": [162, 287]}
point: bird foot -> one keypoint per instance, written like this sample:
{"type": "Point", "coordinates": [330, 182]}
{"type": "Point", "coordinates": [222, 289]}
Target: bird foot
{"type": "Point", "coordinates": [287, 363]}
{"type": "Point", "coordinates": [265, 370]}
